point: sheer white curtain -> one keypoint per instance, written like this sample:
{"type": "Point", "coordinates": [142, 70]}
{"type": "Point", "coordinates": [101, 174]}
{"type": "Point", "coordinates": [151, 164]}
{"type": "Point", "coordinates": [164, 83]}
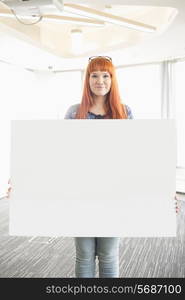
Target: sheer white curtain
{"type": "Point", "coordinates": [167, 90]}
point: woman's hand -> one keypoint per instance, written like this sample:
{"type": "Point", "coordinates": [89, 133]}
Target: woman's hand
{"type": "Point", "coordinates": [177, 205]}
{"type": "Point", "coordinates": [9, 189]}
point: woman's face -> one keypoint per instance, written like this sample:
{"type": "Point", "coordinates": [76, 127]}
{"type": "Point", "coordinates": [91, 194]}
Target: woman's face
{"type": "Point", "coordinates": [100, 83]}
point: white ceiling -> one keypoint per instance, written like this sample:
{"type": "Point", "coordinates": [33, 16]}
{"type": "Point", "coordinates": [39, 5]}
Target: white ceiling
{"type": "Point", "coordinates": [126, 46]}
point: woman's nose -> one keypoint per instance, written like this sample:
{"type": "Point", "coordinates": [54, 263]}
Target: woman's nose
{"type": "Point", "coordinates": [100, 79]}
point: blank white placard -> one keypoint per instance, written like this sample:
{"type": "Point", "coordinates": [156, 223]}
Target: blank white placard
{"type": "Point", "coordinates": [93, 178]}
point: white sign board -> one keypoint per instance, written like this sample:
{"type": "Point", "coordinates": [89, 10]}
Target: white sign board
{"type": "Point", "coordinates": [93, 178]}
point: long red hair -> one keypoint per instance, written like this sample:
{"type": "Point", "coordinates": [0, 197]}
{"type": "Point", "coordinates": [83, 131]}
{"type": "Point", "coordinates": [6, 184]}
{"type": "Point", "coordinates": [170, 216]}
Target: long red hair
{"type": "Point", "coordinates": [114, 109]}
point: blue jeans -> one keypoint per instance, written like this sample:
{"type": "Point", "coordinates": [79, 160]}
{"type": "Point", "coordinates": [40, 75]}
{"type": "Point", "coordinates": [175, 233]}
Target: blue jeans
{"type": "Point", "coordinates": [107, 250]}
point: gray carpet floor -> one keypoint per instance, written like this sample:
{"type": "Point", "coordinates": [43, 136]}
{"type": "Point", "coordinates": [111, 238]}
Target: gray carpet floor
{"type": "Point", "coordinates": [55, 257]}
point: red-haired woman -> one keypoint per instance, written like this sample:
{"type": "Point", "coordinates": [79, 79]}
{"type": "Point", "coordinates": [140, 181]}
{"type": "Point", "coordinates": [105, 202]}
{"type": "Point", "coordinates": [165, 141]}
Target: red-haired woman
{"type": "Point", "coordinates": [100, 100]}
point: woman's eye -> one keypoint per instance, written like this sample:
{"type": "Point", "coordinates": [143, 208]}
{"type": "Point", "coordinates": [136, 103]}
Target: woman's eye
{"type": "Point", "coordinates": [96, 76]}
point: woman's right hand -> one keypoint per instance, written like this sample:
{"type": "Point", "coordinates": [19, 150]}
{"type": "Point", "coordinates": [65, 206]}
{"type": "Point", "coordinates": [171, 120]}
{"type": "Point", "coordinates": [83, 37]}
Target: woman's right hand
{"type": "Point", "coordinates": [9, 189]}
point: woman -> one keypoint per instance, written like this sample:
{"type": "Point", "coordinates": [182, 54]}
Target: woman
{"type": "Point", "coordinates": [100, 100]}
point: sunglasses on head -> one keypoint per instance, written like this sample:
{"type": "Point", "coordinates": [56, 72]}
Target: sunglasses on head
{"type": "Point", "coordinates": [106, 57]}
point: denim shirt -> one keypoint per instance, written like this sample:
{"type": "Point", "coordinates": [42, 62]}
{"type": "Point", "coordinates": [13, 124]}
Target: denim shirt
{"type": "Point", "coordinates": [71, 113]}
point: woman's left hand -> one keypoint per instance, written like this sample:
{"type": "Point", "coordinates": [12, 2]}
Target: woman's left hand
{"type": "Point", "coordinates": [177, 206]}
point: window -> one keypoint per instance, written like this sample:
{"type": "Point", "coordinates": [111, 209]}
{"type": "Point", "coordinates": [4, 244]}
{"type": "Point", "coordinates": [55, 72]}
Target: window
{"type": "Point", "coordinates": [67, 89]}
{"type": "Point", "coordinates": [140, 88]}
{"type": "Point", "coordinates": [180, 112]}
